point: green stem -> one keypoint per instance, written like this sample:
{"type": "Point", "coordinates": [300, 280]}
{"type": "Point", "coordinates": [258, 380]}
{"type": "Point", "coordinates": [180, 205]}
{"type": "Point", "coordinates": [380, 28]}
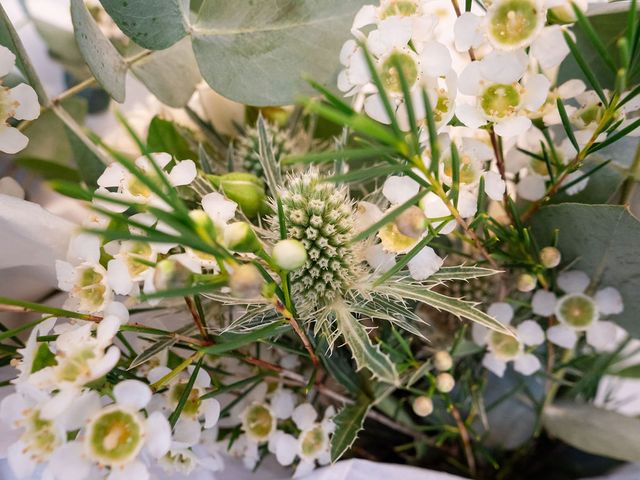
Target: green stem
{"type": "Point", "coordinates": [172, 374]}
{"type": "Point", "coordinates": [630, 183]}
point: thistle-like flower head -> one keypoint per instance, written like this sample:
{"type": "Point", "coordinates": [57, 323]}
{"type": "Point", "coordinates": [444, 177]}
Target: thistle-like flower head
{"type": "Point", "coordinates": [247, 147]}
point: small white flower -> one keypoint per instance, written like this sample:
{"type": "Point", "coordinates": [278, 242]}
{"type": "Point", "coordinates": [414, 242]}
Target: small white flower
{"type": "Point", "coordinates": [503, 348]}
{"type": "Point", "coordinates": [579, 312]}
{"type": "Point", "coordinates": [19, 102]}
{"type": "Point", "coordinates": [313, 441]}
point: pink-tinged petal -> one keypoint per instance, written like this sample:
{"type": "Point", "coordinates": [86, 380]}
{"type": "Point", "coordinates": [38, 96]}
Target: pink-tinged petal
{"type": "Point", "coordinates": [527, 364]}
{"type": "Point", "coordinates": [562, 336]}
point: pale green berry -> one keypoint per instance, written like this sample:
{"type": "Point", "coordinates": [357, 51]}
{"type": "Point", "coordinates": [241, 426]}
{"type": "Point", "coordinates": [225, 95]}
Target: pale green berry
{"type": "Point", "coordinates": [422, 406]}
{"type": "Point", "coordinates": [171, 274]}
{"type": "Point", "coordinates": [245, 189]}
{"type": "Point", "coordinates": [289, 254]}
{"type": "Point", "coordinates": [240, 237]}
{"type": "Point", "coordinates": [526, 282]}
{"type": "Point", "coordinates": [203, 224]}
{"type": "Point", "coordinates": [442, 361]}
{"type": "Point", "coordinates": [445, 382]}
{"type": "Point", "coordinates": [577, 310]}
{"type": "Point", "coordinates": [550, 257]}
{"type": "Point", "coordinates": [246, 281]}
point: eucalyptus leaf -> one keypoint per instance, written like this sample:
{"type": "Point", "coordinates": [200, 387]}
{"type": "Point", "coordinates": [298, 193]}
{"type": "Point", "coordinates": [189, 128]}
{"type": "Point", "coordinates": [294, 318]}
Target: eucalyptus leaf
{"type": "Point", "coordinates": [171, 74]}
{"type": "Point", "coordinates": [349, 421]}
{"type": "Point", "coordinates": [594, 430]}
{"type": "Point", "coordinates": [601, 188]}
{"type": "Point", "coordinates": [601, 240]}
{"type": "Point", "coordinates": [101, 56]}
{"type": "Point", "coordinates": [245, 47]}
{"type": "Point", "coordinates": [152, 24]}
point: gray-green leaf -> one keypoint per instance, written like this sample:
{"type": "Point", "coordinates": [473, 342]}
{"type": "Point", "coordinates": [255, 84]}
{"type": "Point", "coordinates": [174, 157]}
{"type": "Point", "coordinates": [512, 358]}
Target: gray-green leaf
{"type": "Point", "coordinates": [594, 430]}
{"type": "Point", "coordinates": [103, 59]}
{"type": "Point", "coordinates": [602, 240]}
{"type": "Point", "coordinates": [257, 52]}
{"type": "Point", "coordinates": [152, 24]}
{"type": "Point", "coordinates": [349, 422]}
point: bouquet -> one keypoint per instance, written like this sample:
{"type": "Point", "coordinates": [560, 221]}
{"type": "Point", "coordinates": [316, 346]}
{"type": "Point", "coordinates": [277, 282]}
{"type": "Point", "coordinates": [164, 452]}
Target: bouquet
{"type": "Point", "coordinates": [412, 242]}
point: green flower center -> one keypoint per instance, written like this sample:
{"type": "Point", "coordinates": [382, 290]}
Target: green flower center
{"type": "Point", "coordinates": [192, 406]}
{"type": "Point", "coordinates": [73, 367]}
{"type": "Point", "coordinates": [39, 436]}
{"type": "Point", "coordinates": [389, 72]}
{"type": "Point", "coordinates": [590, 114]}
{"type": "Point", "coordinates": [403, 8]}
{"type": "Point", "coordinates": [442, 107]}
{"type": "Point", "coordinates": [577, 310]}
{"type": "Point", "coordinates": [468, 171]}
{"type": "Point", "coordinates": [115, 436]}
{"type": "Point", "coordinates": [90, 288]}
{"type": "Point", "coordinates": [500, 100]}
{"type": "Point", "coordinates": [135, 252]}
{"type": "Point", "coordinates": [258, 421]}
{"type": "Point", "coordinates": [313, 441]}
{"type": "Point", "coordinates": [514, 22]}
{"type": "Point", "coordinates": [395, 241]}
{"type": "Point", "coordinates": [504, 346]}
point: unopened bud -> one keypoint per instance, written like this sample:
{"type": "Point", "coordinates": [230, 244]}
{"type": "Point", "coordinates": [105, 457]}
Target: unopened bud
{"type": "Point", "coordinates": [289, 254]}
{"type": "Point", "coordinates": [171, 274]}
{"type": "Point", "coordinates": [245, 189]}
{"type": "Point", "coordinates": [422, 406]}
{"type": "Point", "coordinates": [445, 382]}
{"type": "Point", "coordinates": [442, 361]}
{"type": "Point", "coordinates": [246, 281]}
{"type": "Point", "coordinates": [526, 282]}
{"type": "Point", "coordinates": [411, 222]}
{"type": "Point", "coordinates": [205, 228]}
{"type": "Point", "coordinates": [550, 257]}
{"type": "Point", "coordinates": [240, 237]}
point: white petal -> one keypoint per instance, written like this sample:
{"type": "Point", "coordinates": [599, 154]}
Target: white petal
{"type": "Point", "coordinates": [132, 393]}
{"type": "Point", "coordinates": [285, 449]}
{"type": "Point", "coordinates": [66, 274]}
{"type": "Point", "coordinates": [118, 309]}
{"type": "Point", "coordinates": [344, 84]}
{"type": "Point", "coordinates": [493, 364]}
{"type": "Point", "coordinates": [512, 127]}
{"type": "Point", "coordinates": [106, 364]}
{"type": "Point", "coordinates": [157, 373]}
{"type": "Point", "coordinates": [12, 140]}
{"type": "Point", "coordinates": [609, 301]}
{"type": "Point", "coordinates": [374, 107]}
{"type": "Point", "coordinates": [107, 329]}
{"type": "Point", "coordinates": [467, 203]}
{"type": "Point", "coordinates": [579, 185]}
{"type": "Point", "coordinates": [479, 334]}
{"type": "Point", "coordinates": [571, 89]}
{"type": "Point", "coordinates": [470, 80]}
{"type": "Point", "coordinates": [365, 16]}
{"type": "Point", "coordinates": [504, 67]}
{"type": "Point", "coordinates": [435, 59]}
{"type": "Point", "coordinates": [112, 175]}
{"type": "Point", "coordinates": [573, 281]}
{"type": "Point", "coordinates": [562, 336]}
{"type": "Point", "coordinates": [187, 432]}
{"type": "Point", "coordinates": [501, 311]}
{"type": "Point", "coordinates": [183, 173]}
{"type": "Point", "coordinates": [282, 403]}
{"type": "Point", "coordinates": [8, 186]}
{"type": "Point", "coordinates": [161, 159]}
{"type": "Point", "coordinates": [471, 116]}
{"type": "Point", "coordinates": [424, 264]}
{"type": "Point", "coordinates": [366, 215]}
{"type": "Point", "coordinates": [135, 469]}
{"type": "Point", "coordinates": [304, 468]}
{"type": "Point", "coordinates": [211, 410]}
{"type": "Point", "coordinates": [530, 333]}
{"type": "Point", "coordinates": [532, 187]}
{"type": "Point", "coordinates": [68, 462]}
{"type": "Point", "coordinates": [219, 208]}
{"type": "Point", "coordinates": [28, 106]}
{"type": "Point", "coordinates": [378, 258]}
{"type": "Point", "coordinates": [399, 189]}
{"type": "Point", "coordinates": [602, 336]}
{"type": "Point", "coordinates": [7, 60]}
{"type": "Point", "coordinates": [468, 31]}
{"type": "Point", "coordinates": [543, 303]}
{"type": "Point", "coordinates": [494, 186]}
{"type": "Point", "coordinates": [536, 91]}
{"type": "Point", "coordinates": [84, 247]}
{"type": "Point", "coordinates": [304, 416]}
{"type": "Point", "coordinates": [12, 408]}
{"type": "Point", "coordinates": [549, 47]}
{"type": "Point", "coordinates": [118, 276]}
{"type": "Point", "coordinates": [527, 364]}
{"type": "Point", "coordinates": [158, 435]}
{"type": "Point", "coordinates": [347, 51]}
{"type": "Point", "coordinates": [20, 461]}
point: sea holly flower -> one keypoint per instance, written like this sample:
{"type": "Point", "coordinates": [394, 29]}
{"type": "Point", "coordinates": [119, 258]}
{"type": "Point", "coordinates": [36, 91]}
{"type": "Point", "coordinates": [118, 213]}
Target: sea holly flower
{"type": "Point", "coordinates": [504, 349]}
{"type": "Point", "coordinates": [578, 312]}
{"type": "Point", "coordinates": [115, 437]}
{"type": "Point", "coordinates": [500, 93]}
{"type": "Point", "coordinates": [19, 102]}
{"type": "Point", "coordinates": [80, 357]}
{"type": "Point", "coordinates": [129, 187]}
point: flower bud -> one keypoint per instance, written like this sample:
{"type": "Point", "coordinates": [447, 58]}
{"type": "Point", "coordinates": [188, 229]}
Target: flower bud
{"type": "Point", "coordinates": [246, 281]}
{"type": "Point", "coordinates": [411, 222]}
{"type": "Point", "coordinates": [422, 406]}
{"type": "Point", "coordinates": [526, 282]}
{"type": "Point", "coordinates": [245, 189]}
{"type": "Point", "coordinates": [240, 237]}
{"type": "Point", "coordinates": [205, 228]}
{"type": "Point", "coordinates": [442, 361]}
{"type": "Point", "coordinates": [289, 254]}
{"type": "Point", "coordinates": [445, 382]}
{"type": "Point", "coordinates": [171, 274]}
{"type": "Point", "coordinates": [550, 257]}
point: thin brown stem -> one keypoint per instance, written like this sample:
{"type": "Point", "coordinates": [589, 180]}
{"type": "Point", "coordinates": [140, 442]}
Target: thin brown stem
{"type": "Point", "coordinates": [499, 156]}
{"type": "Point", "coordinates": [196, 318]}
{"type": "Point", "coordinates": [19, 309]}
{"type": "Point", "coordinates": [280, 308]}
{"type": "Point", "coordinates": [466, 439]}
